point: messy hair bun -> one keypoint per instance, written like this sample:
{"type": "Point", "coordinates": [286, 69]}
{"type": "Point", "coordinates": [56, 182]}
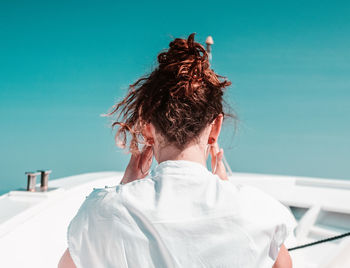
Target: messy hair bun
{"type": "Point", "coordinates": [180, 97]}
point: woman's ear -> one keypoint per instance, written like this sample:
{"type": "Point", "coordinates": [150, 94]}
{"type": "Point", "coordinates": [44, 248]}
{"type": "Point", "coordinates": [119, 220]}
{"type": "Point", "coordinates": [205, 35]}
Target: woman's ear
{"type": "Point", "coordinates": [215, 129]}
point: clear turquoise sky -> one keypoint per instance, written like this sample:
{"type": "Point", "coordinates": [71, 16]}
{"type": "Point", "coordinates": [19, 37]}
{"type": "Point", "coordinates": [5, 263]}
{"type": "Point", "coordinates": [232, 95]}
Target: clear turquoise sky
{"type": "Point", "coordinates": [63, 63]}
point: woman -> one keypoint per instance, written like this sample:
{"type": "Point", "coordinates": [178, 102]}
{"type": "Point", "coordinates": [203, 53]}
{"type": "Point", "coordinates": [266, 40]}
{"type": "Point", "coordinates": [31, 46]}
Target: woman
{"type": "Point", "coordinates": [180, 214]}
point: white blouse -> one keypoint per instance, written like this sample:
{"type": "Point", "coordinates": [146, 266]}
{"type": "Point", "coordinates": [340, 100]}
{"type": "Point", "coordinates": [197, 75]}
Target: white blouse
{"type": "Point", "coordinates": [181, 215]}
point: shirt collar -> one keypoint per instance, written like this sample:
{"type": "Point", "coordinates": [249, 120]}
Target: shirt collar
{"type": "Point", "coordinates": [183, 167]}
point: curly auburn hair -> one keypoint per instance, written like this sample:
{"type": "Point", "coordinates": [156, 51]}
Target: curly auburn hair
{"type": "Point", "coordinates": [180, 97]}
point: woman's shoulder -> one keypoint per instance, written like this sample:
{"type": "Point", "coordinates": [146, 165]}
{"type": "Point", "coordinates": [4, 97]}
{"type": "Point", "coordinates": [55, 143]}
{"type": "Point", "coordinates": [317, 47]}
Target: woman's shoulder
{"type": "Point", "coordinates": [100, 203]}
{"type": "Point", "coordinates": [97, 196]}
{"type": "Point", "coordinates": [262, 213]}
{"type": "Point", "coordinates": [265, 206]}
{"type": "Point", "coordinates": [109, 199]}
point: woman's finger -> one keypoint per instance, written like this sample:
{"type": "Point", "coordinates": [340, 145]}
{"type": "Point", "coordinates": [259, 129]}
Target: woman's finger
{"type": "Point", "coordinates": [217, 164]}
{"type": "Point", "coordinates": [221, 170]}
{"type": "Point", "coordinates": [145, 160]}
{"type": "Point", "coordinates": [220, 154]}
{"type": "Point", "coordinates": [139, 164]}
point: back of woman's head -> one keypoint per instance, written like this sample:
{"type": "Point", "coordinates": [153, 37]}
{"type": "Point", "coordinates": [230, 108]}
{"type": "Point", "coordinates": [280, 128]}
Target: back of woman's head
{"type": "Point", "coordinates": [180, 97]}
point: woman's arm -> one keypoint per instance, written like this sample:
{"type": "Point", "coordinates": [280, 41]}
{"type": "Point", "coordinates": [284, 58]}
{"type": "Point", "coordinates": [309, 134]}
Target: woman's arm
{"type": "Point", "coordinates": [66, 261]}
{"type": "Point", "coordinates": [283, 259]}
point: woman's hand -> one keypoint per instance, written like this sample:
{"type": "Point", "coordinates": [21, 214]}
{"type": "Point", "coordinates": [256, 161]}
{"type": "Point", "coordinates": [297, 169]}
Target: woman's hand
{"type": "Point", "coordinates": [139, 165]}
{"type": "Point", "coordinates": [215, 152]}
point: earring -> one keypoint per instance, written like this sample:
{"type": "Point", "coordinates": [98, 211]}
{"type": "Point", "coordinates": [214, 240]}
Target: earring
{"type": "Point", "coordinates": [210, 143]}
{"type": "Point", "coordinates": [211, 140]}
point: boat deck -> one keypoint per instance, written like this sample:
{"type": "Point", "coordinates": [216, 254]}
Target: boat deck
{"type": "Point", "coordinates": [322, 208]}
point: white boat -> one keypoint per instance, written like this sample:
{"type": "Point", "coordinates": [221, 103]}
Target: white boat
{"type": "Point", "coordinates": [33, 225]}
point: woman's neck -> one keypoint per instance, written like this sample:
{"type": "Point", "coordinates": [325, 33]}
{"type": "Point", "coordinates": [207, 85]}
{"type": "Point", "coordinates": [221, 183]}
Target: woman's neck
{"type": "Point", "coordinates": [193, 152]}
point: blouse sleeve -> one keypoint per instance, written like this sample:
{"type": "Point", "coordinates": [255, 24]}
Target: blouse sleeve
{"type": "Point", "coordinates": [278, 238]}
{"type": "Point", "coordinates": [284, 230]}
{"type": "Point", "coordinates": [78, 238]}
{"type": "Point", "coordinates": [273, 220]}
